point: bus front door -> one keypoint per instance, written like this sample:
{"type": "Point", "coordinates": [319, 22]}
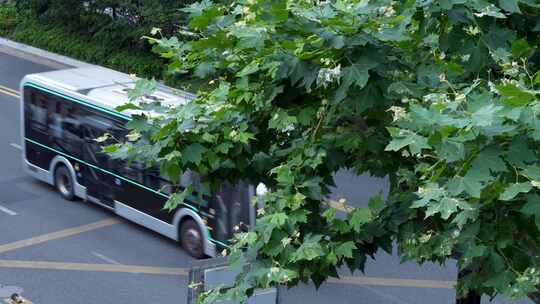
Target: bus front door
{"type": "Point", "coordinates": [97, 174]}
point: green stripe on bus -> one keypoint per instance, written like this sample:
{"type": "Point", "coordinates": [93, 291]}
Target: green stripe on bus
{"type": "Point", "coordinates": [218, 242]}
{"type": "Point", "coordinates": [90, 105]}
{"type": "Point", "coordinates": [105, 171]}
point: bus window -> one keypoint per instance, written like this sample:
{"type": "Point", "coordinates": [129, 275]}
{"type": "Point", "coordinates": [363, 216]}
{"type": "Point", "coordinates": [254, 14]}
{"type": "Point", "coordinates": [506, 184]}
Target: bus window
{"type": "Point", "coordinates": [64, 127]}
{"type": "Point", "coordinates": [38, 112]}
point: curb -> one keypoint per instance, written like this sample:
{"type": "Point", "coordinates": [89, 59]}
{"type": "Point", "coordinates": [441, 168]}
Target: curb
{"type": "Point", "coordinates": [45, 57]}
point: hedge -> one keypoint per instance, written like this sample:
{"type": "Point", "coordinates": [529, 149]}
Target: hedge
{"type": "Point", "coordinates": [89, 47]}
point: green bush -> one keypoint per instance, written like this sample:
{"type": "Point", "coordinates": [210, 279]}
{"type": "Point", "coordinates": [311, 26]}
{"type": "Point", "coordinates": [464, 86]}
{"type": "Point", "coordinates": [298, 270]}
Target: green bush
{"type": "Point", "coordinates": [121, 22]}
{"type": "Point", "coordinates": [63, 39]}
{"type": "Point", "coordinates": [8, 18]}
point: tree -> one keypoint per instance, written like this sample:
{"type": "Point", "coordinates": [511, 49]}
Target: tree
{"type": "Point", "coordinates": [121, 21]}
{"type": "Point", "coordinates": [441, 96]}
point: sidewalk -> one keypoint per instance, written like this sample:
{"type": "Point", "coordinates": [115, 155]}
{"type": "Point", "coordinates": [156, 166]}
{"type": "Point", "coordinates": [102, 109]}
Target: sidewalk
{"type": "Point", "coordinates": [37, 55]}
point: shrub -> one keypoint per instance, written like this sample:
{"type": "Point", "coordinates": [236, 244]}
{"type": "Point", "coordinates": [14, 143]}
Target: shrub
{"type": "Point", "coordinates": [61, 39]}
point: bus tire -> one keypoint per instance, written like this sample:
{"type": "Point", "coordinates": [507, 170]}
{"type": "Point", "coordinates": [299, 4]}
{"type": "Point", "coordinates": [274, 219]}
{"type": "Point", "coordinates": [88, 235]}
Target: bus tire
{"type": "Point", "coordinates": [192, 239]}
{"type": "Point", "coordinates": [64, 183]}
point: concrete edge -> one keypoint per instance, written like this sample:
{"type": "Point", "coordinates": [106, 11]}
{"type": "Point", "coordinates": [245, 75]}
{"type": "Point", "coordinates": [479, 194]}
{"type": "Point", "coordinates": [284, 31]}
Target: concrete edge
{"type": "Point", "coordinates": [44, 57]}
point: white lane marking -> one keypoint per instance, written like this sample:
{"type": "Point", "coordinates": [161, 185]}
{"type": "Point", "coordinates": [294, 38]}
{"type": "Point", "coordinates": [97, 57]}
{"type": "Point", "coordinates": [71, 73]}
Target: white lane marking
{"type": "Point", "coordinates": [7, 211]}
{"type": "Point", "coordinates": [14, 145]}
{"type": "Point", "coordinates": [105, 258]}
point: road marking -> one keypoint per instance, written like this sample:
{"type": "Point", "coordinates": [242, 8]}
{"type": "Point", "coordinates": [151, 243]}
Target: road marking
{"type": "Point", "coordinates": [374, 281]}
{"type": "Point", "coordinates": [9, 93]}
{"type": "Point", "coordinates": [57, 235]}
{"type": "Point", "coordinates": [360, 281]}
{"type": "Point", "coordinates": [93, 267]}
{"type": "Point", "coordinates": [105, 258]}
{"type": "Point", "coordinates": [14, 145]}
{"type": "Point", "coordinates": [7, 211]}
{"type": "Point", "coordinates": [12, 91]}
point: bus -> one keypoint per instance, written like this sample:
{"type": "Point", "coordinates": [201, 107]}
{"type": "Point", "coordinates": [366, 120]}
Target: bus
{"type": "Point", "coordinates": [64, 112]}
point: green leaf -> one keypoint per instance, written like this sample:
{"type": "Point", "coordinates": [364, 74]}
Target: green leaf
{"type": "Point", "coordinates": [309, 250]}
{"type": "Point", "coordinates": [446, 207]}
{"type": "Point", "coordinates": [193, 153]}
{"type": "Point", "coordinates": [406, 138]}
{"type": "Point", "coordinates": [127, 106]}
{"type": "Point", "coordinates": [197, 8]}
{"type": "Point", "coordinates": [358, 217]}
{"type": "Point", "coordinates": [487, 161]}
{"type": "Point", "coordinates": [452, 150]}
{"type": "Point", "coordinates": [204, 70]}
{"type": "Point", "coordinates": [176, 199]}
{"type": "Point", "coordinates": [284, 176]}
{"type": "Point", "coordinates": [500, 281]}
{"type": "Point", "coordinates": [376, 203]}
{"type": "Point", "coordinates": [511, 6]}
{"type": "Point", "coordinates": [345, 249]}
{"type": "Point", "coordinates": [514, 95]}
{"type": "Point", "coordinates": [280, 275]}
{"type": "Point", "coordinates": [142, 87]}
{"type": "Point", "coordinates": [329, 214]}
{"type": "Point", "coordinates": [464, 217]}
{"type": "Point", "coordinates": [520, 48]}
{"type": "Point", "coordinates": [532, 208]}
{"type": "Point", "coordinates": [281, 120]}
{"type": "Point", "coordinates": [249, 69]}
{"type": "Point", "coordinates": [427, 193]}
{"type": "Point", "coordinates": [249, 36]}
{"type": "Point", "coordinates": [467, 183]}
{"type": "Point", "coordinates": [514, 189]}
{"type": "Point", "coordinates": [357, 74]}
{"type": "Point", "coordinates": [138, 123]}
{"type": "Point", "coordinates": [532, 172]}
{"type": "Point", "coordinates": [278, 219]}
{"type": "Point", "coordinates": [201, 19]}
{"type": "Point", "coordinates": [485, 116]}
{"type": "Point", "coordinates": [520, 153]}
{"type": "Point", "coordinates": [472, 252]}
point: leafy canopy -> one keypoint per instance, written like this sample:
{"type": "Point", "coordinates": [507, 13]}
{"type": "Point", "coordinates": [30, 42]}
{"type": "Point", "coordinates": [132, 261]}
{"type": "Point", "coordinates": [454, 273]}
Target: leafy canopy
{"type": "Point", "coordinates": [441, 96]}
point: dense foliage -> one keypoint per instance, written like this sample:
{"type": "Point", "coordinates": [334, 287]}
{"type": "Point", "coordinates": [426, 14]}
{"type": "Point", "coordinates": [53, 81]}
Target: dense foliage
{"type": "Point", "coordinates": [119, 22]}
{"type": "Point", "coordinates": [59, 39]}
{"type": "Point", "coordinates": [441, 96]}
{"type": "Point", "coordinates": [100, 49]}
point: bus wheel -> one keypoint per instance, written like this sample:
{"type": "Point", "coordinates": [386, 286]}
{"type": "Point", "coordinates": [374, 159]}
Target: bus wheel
{"type": "Point", "coordinates": [191, 239]}
{"type": "Point", "coordinates": [64, 183]}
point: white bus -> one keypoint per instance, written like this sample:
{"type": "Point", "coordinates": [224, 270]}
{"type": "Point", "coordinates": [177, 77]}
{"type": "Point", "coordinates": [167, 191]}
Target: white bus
{"type": "Point", "coordinates": [63, 112]}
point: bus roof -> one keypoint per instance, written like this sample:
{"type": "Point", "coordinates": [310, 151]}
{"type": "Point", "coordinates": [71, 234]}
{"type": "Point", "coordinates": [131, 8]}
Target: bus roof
{"type": "Point", "coordinates": [104, 87]}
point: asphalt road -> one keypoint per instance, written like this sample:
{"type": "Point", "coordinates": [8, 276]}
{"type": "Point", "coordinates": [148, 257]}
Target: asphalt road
{"type": "Point", "coordinates": [55, 251]}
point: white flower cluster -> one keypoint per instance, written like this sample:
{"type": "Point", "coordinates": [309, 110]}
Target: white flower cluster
{"type": "Point", "coordinates": [327, 76]}
{"type": "Point", "coordinates": [398, 113]}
